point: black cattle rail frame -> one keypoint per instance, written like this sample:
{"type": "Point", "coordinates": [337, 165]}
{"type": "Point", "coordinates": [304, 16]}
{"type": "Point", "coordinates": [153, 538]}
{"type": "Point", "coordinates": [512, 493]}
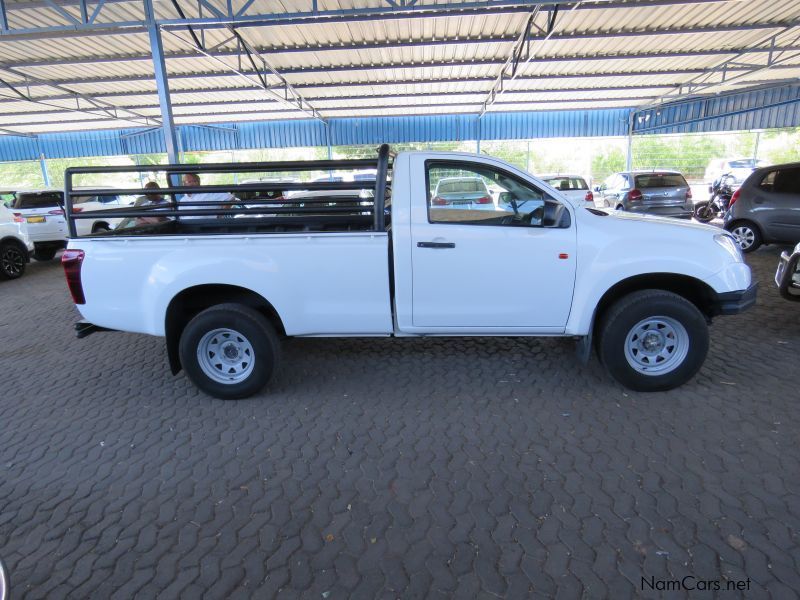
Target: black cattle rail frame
{"type": "Point", "coordinates": [334, 212]}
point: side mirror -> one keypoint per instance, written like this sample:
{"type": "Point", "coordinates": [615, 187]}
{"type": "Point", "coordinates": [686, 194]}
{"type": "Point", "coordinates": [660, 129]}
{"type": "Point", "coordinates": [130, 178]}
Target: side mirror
{"type": "Point", "coordinates": [596, 188]}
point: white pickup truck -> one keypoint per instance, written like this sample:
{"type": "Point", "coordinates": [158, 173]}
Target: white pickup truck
{"type": "Point", "coordinates": [225, 285]}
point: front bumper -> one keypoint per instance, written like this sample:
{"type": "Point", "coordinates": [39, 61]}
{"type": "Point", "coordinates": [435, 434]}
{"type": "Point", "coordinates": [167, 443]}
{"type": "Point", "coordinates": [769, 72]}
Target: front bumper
{"type": "Point", "coordinates": [731, 303]}
{"type": "Point", "coordinates": [787, 277]}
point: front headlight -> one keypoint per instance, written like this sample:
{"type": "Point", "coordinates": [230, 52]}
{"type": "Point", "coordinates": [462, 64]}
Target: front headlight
{"type": "Point", "coordinates": [726, 241]}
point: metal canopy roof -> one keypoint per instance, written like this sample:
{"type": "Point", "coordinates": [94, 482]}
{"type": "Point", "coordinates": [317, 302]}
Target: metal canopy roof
{"type": "Point", "coordinates": [68, 65]}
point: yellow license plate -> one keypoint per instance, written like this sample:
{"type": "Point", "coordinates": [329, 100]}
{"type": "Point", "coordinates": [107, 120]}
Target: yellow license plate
{"type": "Point", "coordinates": [35, 219]}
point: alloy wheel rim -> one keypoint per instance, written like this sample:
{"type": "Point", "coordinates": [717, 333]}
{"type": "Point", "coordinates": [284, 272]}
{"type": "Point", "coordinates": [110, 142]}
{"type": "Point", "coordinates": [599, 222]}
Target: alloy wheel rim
{"type": "Point", "coordinates": [656, 345]}
{"type": "Point", "coordinates": [745, 236]}
{"type": "Point", "coordinates": [12, 262]}
{"type": "Point", "coordinates": [226, 356]}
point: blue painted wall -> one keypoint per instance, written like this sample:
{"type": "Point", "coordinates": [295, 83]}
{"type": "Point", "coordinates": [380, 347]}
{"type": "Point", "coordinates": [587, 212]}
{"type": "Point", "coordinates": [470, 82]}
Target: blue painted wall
{"type": "Point", "coordinates": [757, 109]}
{"type": "Point", "coordinates": [305, 132]}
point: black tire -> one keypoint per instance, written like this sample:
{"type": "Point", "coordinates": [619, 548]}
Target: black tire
{"type": "Point", "coordinates": [748, 235]}
{"type": "Point", "coordinates": [620, 207]}
{"type": "Point", "coordinates": [100, 228]}
{"type": "Point", "coordinates": [623, 317]}
{"type": "Point", "coordinates": [703, 212]}
{"type": "Point", "coordinates": [12, 260]}
{"type": "Point", "coordinates": [256, 330]}
{"type": "Point", "coordinates": [44, 254]}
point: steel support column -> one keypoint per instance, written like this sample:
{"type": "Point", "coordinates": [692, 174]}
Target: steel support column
{"type": "Point", "coordinates": [629, 154]}
{"type": "Point", "coordinates": [160, 69]}
{"type": "Point", "coordinates": [45, 174]}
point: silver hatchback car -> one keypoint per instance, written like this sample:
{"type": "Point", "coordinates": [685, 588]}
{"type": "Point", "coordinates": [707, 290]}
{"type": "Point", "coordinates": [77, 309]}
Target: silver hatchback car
{"type": "Point", "coordinates": [663, 193]}
{"type": "Point", "coordinates": [766, 209]}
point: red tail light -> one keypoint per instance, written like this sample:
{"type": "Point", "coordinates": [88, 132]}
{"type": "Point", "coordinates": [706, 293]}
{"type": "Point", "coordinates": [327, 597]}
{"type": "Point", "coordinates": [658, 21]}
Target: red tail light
{"type": "Point", "coordinates": [734, 198]}
{"type": "Point", "coordinates": [438, 201]}
{"type": "Point", "coordinates": [689, 194]}
{"type": "Point", "coordinates": [56, 211]}
{"type": "Point", "coordinates": [18, 218]}
{"type": "Point", "coordinates": [634, 195]}
{"type": "Point", "coordinates": [589, 196]}
{"type": "Point", "coordinates": [72, 261]}
{"type": "Point", "coordinates": [484, 200]}
{"type": "Point", "coordinates": [75, 209]}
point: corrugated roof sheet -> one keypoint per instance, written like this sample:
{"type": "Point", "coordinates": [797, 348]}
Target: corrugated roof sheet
{"type": "Point", "coordinates": [403, 64]}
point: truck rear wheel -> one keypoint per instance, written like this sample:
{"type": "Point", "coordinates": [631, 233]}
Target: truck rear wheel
{"type": "Point", "coordinates": [229, 351]}
{"type": "Point", "coordinates": [653, 340]}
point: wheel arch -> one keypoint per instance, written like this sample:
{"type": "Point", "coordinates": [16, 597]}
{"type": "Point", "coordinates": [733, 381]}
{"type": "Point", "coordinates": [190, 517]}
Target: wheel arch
{"type": "Point", "coordinates": [191, 301]}
{"type": "Point", "coordinates": [10, 239]}
{"type": "Point", "coordinates": [694, 290]}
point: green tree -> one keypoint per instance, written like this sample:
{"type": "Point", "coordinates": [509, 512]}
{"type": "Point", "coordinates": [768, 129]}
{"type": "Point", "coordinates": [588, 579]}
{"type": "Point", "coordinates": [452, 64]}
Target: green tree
{"type": "Point", "coordinates": [607, 161]}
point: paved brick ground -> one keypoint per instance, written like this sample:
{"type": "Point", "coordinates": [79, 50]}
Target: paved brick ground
{"type": "Point", "coordinates": [405, 468]}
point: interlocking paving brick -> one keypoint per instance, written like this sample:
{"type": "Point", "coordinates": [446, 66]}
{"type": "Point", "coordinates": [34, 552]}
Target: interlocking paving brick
{"type": "Point", "coordinates": [393, 468]}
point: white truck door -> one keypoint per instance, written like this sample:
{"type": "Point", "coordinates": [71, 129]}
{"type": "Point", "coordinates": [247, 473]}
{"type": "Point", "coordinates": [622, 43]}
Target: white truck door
{"type": "Point", "coordinates": [506, 263]}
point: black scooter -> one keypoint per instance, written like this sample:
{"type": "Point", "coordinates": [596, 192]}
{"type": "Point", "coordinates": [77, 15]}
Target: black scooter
{"type": "Point", "coordinates": [721, 193]}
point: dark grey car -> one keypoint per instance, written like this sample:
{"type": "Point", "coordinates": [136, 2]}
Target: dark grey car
{"type": "Point", "coordinates": [663, 193]}
{"type": "Point", "coordinates": [766, 209]}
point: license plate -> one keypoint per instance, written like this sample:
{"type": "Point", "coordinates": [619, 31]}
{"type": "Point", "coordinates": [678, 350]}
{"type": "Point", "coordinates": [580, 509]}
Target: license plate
{"type": "Point", "coordinates": [34, 219]}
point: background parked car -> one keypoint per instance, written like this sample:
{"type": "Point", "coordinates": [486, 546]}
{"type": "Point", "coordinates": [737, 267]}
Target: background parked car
{"type": "Point", "coordinates": [464, 192]}
{"type": "Point", "coordinates": [95, 203]}
{"type": "Point", "coordinates": [739, 168]}
{"type": "Point", "coordinates": [43, 214]}
{"type": "Point", "coordinates": [663, 193]}
{"type": "Point", "coordinates": [766, 208]}
{"type": "Point", "coordinates": [572, 186]}
{"type": "Point", "coordinates": [15, 245]}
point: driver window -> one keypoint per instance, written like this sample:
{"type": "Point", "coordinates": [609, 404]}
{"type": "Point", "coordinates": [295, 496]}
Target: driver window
{"type": "Point", "coordinates": [474, 194]}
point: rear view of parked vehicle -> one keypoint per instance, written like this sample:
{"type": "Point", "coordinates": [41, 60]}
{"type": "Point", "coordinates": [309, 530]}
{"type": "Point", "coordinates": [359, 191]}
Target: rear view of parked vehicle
{"type": "Point", "coordinates": [766, 209]}
{"type": "Point", "coordinates": [15, 245]}
{"type": "Point", "coordinates": [573, 187]}
{"type": "Point", "coordinates": [662, 193]}
{"type": "Point", "coordinates": [462, 192]}
{"type": "Point", "coordinates": [43, 214]}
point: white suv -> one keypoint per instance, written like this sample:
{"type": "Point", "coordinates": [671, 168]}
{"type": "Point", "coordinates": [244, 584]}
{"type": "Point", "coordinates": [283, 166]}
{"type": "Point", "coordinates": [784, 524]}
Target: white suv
{"type": "Point", "coordinates": [15, 245]}
{"type": "Point", "coordinates": [43, 212]}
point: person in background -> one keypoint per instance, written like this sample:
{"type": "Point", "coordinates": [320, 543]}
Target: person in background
{"type": "Point", "coordinates": [193, 180]}
{"type": "Point", "coordinates": [150, 200]}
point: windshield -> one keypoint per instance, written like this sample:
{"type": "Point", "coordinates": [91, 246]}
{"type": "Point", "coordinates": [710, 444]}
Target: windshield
{"type": "Point", "coordinates": [657, 180]}
{"type": "Point", "coordinates": [43, 200]}
{"type": "Point", "coordinates": [567, 183]}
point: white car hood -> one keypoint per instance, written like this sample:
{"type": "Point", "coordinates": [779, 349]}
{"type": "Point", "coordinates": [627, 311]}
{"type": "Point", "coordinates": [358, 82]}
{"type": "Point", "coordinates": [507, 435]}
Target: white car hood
{"type": "Point", "coordinates": [644, 218]}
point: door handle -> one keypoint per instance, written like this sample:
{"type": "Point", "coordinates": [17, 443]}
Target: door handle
{"type": "Point", "coordinates": [435, 245]}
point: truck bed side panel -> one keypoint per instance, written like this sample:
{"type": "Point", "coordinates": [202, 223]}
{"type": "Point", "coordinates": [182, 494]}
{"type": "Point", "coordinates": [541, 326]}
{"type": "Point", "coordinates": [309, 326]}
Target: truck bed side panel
{"type": "Point", "coordinates": [320, 284]}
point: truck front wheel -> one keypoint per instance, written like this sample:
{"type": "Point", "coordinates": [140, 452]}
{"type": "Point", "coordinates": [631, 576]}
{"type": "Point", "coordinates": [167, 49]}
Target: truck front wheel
{"type": "Point", "coordinates": [229, 351]}
{"type": "Point", "coordinates": [653, 340]}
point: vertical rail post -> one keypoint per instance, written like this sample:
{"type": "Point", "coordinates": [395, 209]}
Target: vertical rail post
{"type": "Point", "coordinates": [160, 70]}
{"type": "Point", "coordinates": [381, 174]}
